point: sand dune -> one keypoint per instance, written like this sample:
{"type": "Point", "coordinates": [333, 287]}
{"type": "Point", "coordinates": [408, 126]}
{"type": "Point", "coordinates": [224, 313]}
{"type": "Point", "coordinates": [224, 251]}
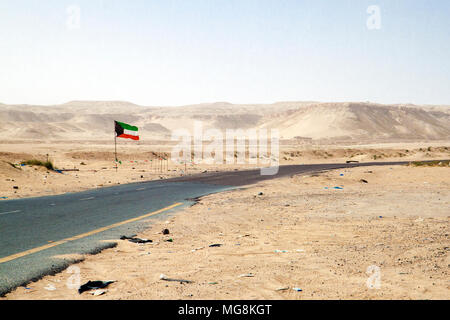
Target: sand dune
{"type": "Point", "coordinates": [94, 120]}
{"type": "Point", "coordinates": [362, 120]}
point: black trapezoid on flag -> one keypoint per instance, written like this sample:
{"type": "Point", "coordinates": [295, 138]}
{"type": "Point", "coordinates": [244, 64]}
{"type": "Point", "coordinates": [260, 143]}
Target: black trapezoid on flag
{"type": "Point", "coordinates": [119, 129]}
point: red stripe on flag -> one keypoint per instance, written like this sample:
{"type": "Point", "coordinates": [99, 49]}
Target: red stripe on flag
{"type": "Point", "coordinates": [128, 136]}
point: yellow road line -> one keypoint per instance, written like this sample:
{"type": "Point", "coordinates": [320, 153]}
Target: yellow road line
{"type": "Point", "coordinates": [83, 235]}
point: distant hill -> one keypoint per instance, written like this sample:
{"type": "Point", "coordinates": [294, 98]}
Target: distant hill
{"type": "Point", "coordinates": [93, 120]}
{"type": "Point", "coordinates": [361, 121]}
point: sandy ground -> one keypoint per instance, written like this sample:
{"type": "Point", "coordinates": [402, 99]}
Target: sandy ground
{"type": "Point", "coordinates": [294, 232]}
{"type": "Point", "coordinates": [96, 167]}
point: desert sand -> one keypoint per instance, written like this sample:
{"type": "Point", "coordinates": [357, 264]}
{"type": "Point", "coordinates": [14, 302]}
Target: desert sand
{"type": "Point", "coordinates": [294, 232]}
{"type": "Point", "coordinates": [80, 135]}
{"type": "Point", "coordinates": [96, 168]}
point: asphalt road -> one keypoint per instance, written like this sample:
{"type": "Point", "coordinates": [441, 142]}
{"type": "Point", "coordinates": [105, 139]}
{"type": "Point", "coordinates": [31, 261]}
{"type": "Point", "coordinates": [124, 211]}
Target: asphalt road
{"type": "Point", "coordinates": [35, 230]}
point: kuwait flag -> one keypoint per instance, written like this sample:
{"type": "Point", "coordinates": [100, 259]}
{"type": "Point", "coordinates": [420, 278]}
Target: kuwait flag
{"type": "Point", "coordinates": [124, 130]}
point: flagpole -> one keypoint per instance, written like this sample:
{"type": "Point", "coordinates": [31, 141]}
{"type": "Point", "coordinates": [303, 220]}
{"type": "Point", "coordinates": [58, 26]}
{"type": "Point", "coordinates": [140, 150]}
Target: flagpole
{"type": "Point", "coordinates": [115, 145]}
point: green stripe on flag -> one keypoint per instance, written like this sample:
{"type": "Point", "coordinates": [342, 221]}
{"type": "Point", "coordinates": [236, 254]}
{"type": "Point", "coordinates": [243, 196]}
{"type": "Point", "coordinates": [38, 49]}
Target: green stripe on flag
{"type": "Point", "coordinates": [127, 126]}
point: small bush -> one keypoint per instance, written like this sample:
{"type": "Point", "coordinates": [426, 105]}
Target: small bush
{"type": "Point", "coordinates": [437, 163]}
{"type": "Point", "coordinates": [34, 162]}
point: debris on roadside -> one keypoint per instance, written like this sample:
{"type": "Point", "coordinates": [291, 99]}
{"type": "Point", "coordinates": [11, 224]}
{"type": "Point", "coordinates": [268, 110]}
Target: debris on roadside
{"type": "Point", "coordinates": [94, 285]}
{"type": "Point", "coordinates": [98, 292]}
{"type": "Point", "coordinates": [246, 275]}
{"type": "Point", "coordinates": [282, 289]}
{"type": "Point", "coordinates": [165, 278]}
{"type": "Point", "coordinates": [50, 287]}
{"type": "Point", "coordinates": [135, 240]}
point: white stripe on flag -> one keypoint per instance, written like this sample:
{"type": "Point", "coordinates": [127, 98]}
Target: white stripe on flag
{"type": "Point", "coordinates": [132, 133]}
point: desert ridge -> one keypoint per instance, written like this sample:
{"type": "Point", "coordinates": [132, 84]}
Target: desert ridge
{"type": "Point", "coordinates": [351, 121]}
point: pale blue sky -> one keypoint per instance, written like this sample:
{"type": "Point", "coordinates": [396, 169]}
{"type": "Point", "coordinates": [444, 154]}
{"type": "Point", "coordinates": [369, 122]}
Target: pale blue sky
{"type": "Point", "coordinates": [248, 51]}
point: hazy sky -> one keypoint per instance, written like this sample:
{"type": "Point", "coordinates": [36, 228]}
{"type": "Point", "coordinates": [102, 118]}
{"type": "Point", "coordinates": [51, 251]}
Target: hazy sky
{"type": "Point", "coordinates": [190, 51]}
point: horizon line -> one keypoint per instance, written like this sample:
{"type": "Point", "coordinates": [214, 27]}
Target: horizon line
{"type": "Point", "coordinates": [223, 102]}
